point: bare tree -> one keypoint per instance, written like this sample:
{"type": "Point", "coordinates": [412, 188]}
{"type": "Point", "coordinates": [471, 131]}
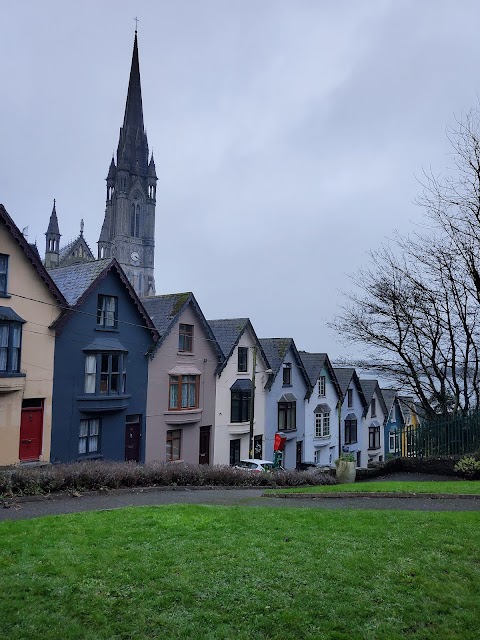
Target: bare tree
{"type": "Point", "coordinates": [416, 308]}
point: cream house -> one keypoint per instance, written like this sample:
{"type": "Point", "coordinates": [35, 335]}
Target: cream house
{"type": "Point", "coordinates": [29, 303]}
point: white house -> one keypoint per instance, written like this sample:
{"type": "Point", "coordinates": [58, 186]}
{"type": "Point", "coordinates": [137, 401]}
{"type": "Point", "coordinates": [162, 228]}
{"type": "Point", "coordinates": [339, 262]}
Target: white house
{"type": "Point", "coordinates": [351, 418]}
{"type": "Point", "coordinates": [321, 410]}
{"type": "Point", "coordinates": [374, 418]}
{"type": "Point", "coordinates": [234, 391]}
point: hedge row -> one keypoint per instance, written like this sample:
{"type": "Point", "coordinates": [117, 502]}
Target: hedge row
{"type": "Point", "coordinates": [98, 475]}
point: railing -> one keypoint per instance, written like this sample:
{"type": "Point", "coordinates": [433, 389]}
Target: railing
{"type": "Point", "coordinates": [445, 436]}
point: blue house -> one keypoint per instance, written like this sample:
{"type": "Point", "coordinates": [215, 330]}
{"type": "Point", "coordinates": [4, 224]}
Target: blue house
{"type": "Point", "coordinates": [101, 365]}
{"type": "Point", "coordinates": [394, 424]}
{"type": "Point", "coordinates": [288, 386]}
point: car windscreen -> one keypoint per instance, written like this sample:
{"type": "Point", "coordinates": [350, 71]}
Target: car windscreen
{"type": "Point", "coordinates": [245, 464]}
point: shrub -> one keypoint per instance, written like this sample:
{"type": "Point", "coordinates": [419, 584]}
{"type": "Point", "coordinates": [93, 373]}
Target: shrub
{"type": "Point", "coordinates": [468, 467]}
{"type": "Point", "coordinates": [97, 475]}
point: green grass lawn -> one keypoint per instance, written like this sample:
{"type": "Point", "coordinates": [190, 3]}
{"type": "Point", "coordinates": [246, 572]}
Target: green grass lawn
{"type": "Point", "coordinates": [193, 572]}
{"type": "Point", "coordinates": [455, 487]}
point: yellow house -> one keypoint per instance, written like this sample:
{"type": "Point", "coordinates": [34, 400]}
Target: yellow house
{"type": "Point", "coordinates": [29, 303]}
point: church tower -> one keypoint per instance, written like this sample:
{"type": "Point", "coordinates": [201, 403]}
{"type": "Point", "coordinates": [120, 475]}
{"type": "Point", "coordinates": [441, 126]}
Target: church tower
{"type": "Point", "coordinates": [128, 231]}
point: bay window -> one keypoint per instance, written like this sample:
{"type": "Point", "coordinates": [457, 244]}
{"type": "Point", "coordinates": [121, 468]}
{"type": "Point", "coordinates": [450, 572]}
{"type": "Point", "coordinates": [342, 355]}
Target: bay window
{"type": "Point", "coordinates": [183, 392]}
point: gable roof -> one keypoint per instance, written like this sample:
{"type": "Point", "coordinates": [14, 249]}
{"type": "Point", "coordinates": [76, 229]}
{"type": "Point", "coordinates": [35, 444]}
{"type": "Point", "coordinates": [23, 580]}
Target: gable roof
{"type": "Point", "coordinates": [32, 256]}
{"type": "Point", "coordinates": [165, 311]}
{"type": "Point", "coordinates": [275, 350]}
{"type": "Point", "coordinates": [67, 255]}
{"type": "Point", "coordinates": [77, 281]}
{"type": "Point", "coordinates": [344, 376]}
{"type": "Point", "coordinates": [389, 396]}
{"type": "Point", "coordinates": [314, 363]}
{"type": "Point", "coordinates": [369, 387]}
{"type": "Point", "coordinates": [228, 332]}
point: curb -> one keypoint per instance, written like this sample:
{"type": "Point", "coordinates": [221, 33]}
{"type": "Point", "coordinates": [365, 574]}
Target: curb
{"type": "Point", "coordinates": [373, 494]}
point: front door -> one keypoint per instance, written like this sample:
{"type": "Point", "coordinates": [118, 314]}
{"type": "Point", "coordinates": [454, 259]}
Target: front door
{"type": "Point", "coordinates": [204, 448]}
{"type": "Point", "coordinates": [132, 438]}
{"type": "Point", "coordinates": [31, 430]}
{"type": "Point", "coordinates": [299, 453]}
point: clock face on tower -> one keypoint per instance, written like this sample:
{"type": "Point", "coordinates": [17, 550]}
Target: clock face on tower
{"type": "Point", "coordinates": [134, 256]}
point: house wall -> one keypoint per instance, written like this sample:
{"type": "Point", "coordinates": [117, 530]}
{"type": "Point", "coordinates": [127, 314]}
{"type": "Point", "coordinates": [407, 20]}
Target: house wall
{"type": "Point", "coordinates": [359, 448]}
{"type": "Point", "coordinates": [298, 388]}
{"type": "Point", "coordinates": [374, 455]}
{"type": "Point", "coordinates": [160, 419]}
{"type": "Point", "coordinates": [327, 447]}
{"type": "Point", "coordinates": [393, 423]}
{"type": "Point", "coordinates": [31, 299]}
{"type": "Point", "coordinates": [71, 404]}
{"type": "Point", "coordinates": [225, 430]}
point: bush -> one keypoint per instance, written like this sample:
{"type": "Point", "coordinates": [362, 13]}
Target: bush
{"type": "Point", "coordinates": [468, 467]}
{"type": "Point", "coordinates": [98, 475]}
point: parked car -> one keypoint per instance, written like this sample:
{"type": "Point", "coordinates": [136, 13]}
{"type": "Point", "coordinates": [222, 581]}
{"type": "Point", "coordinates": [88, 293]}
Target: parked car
{"type": "Point", "coordinates": [255, 465]}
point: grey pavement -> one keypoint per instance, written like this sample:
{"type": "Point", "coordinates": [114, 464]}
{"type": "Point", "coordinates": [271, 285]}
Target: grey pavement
{"type": "Point", "coordinates": [64, 504]}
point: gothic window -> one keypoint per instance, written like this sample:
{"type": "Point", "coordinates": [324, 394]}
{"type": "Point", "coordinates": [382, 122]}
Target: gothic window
{"type": "Point", "coordinates": [135, 220]}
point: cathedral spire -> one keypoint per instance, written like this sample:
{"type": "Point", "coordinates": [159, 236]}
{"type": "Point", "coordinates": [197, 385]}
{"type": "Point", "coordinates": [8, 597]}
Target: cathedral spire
{"type": "Point", "coordinates": [133, 109]}
{"type": "Point", "coordinates": [52, 240]}
{"type": "Point", "coordinates": [53, 223]}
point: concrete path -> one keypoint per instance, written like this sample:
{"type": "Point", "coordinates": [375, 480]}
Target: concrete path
{"type": "Point", "coordinates": [62, 504]}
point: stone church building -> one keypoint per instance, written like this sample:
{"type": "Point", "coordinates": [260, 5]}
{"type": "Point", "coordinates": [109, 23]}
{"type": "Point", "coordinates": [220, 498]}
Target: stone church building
{"type": "Point", "coordinates": [128, 230]}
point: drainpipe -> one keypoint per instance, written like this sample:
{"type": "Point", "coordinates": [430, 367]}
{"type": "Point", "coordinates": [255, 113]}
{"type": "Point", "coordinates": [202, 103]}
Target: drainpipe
{"type": "Point", "coordinates": [252, 404]}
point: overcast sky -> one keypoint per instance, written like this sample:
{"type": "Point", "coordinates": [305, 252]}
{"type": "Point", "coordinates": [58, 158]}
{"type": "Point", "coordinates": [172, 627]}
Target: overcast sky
{"type": "Point", "coordinates": [287, 135]}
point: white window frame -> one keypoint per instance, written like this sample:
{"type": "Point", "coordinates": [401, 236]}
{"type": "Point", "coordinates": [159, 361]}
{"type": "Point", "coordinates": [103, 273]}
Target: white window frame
{"type": "Point", "coordinates": [322, 386]}
{"type": "Point", "coordinates": [322, 425]}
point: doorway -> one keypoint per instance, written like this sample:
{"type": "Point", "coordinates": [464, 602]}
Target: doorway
{"type": "Point", "coordinates": [204, 447]}
{"type": "Point", "coordinates": [31, 430]}
{"type": "Point", "coordinates": [133, 432]}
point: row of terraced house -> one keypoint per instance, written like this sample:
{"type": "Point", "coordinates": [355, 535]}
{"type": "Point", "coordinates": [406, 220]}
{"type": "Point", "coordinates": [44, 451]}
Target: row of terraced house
{"type": "Point", "coordinates": [90, 370]}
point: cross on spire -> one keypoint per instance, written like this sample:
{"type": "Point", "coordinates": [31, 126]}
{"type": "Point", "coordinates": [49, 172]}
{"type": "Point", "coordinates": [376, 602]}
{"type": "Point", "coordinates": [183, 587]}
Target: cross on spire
{"type": "Point", "coordinates": [136, 24]}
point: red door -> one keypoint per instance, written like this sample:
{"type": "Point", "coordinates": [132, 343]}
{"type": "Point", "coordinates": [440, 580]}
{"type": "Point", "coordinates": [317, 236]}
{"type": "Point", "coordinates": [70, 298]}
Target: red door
{"type": "Point", "coordinates": [31, 433]}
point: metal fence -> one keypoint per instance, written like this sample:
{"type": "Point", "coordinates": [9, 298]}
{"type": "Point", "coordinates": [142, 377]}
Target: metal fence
{"type": "Point", "coordinates": [451, 435]}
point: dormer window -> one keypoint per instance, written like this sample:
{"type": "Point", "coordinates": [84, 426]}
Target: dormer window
{"type": "Point", "coordinates": [321, 386]}
{"type": "Point", "coordinates": [3, 274]}
{"type": "Point", "coordinates": [242, 359]}
{"type": "Point", "coordinates": [350, 397]}
{"type": "Point", "coordinates": [287, 374]}
{"type": "Point", "coordinates": [185, 338]}
{"type": "Point", "coordinates": [107, 312]}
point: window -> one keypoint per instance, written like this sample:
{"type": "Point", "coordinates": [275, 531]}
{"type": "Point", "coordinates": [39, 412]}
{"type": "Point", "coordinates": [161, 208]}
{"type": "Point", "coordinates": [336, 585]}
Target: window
{"type": "Point", "coordinates": [322, 425]}
{"type": "Point", "coordinates": [287, 416]}
{"type": "Point", "coordinates": [318, 456]}
{"type": "Point", "coordinates": [185, 337]}
{"type": "Point", "coordinates": [350, 431]}
{"type": "Point", "coordinates": [3, 274]}
{"type": "Point", "coordinates": [287, 374]}
{"type": "Point", "coordinates": [107, 312]}
{"type": "Point", "coordinates": [373, 408]}
{"type": "Point", "coordinates": [240, 406]}
{"type": "Point", "coordinates": [183, 392]}
{"type": "Point", "coordinates": [113, 375]}
{"type": "Point", "coordinates": [242, 359]}
{"type": "Point", "coordinates": [393, 442]}
{"type": "Point", "coordinates": [10, 346]}
{"type": "Point", "coordinates": [321, 385]}
{"type": "Point", "coordinates": [234, 452]}
{"type": "Point", "coordinates": [350, 397]}
{"type": "Point", "coordinates": [135, 221]}
{"type": "Point", "coordinates": [88, 441]}
{"type": "Point", "coordinates": [374, 437]}
{"type": "Point", "coordinates": [174, 441]}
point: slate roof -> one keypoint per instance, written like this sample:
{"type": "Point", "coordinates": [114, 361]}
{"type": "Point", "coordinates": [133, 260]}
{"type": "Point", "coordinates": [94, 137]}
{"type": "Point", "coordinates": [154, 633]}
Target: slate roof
{"type": "Point", "coordinates": [369, 387]}
{"type": "Point", "coordinates": [165, 310]}
{"type": "Point", "coordinates": [78, 280]}
{"type": "Point", "coordinates": [75, 279]}
{"type": "Point", "coordinates": [389, 396]}
{"type": "Point", "coordinates": [314, 363]}
{"type": "Point", "coordinates": [32, 256]}
{"type": "Point", "coordinates": [275, 350]}
{"type": "Point", "coordinates": [228, 332]}
{"type": "Point", "coordinates": [69, 248]}
{"type": "Point", "coordinates": [344, 375]}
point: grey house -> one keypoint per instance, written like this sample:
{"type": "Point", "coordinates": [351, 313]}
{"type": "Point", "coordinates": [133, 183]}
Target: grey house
{"type": "Point", "coordinates": [181, 381]}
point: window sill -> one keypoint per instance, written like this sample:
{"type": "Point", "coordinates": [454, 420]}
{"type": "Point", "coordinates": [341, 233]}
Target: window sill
{"type": "Point", "coordinates": [90, 456]}
{"type": "Point", "coordinates": [107, 329]}
{"type": "Point", "coordinates": [5, 295]}
{"type": "Point", "coordinates": [185, 353]}
{"type": "Point", "coordinates": [103, 403]}
{"type": "Point", "coordinates": [374, 448]}
{"type": "Point", "coordinates": [322, 437]}
{"type": "Point", "coordinates": [353, 442]}
{"type": "Point", "coordinates": [12, 374]}
{"type": "Point", "coordinates": [287, 385]}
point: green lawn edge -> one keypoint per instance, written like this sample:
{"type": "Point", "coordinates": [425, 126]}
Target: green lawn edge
{"type": "Point", "coordinates": [455, 487]}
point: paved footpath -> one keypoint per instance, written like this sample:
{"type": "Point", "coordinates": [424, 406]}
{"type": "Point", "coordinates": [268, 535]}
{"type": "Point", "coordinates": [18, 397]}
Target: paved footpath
{"type": "Point", "coordinates": [63, 504]}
